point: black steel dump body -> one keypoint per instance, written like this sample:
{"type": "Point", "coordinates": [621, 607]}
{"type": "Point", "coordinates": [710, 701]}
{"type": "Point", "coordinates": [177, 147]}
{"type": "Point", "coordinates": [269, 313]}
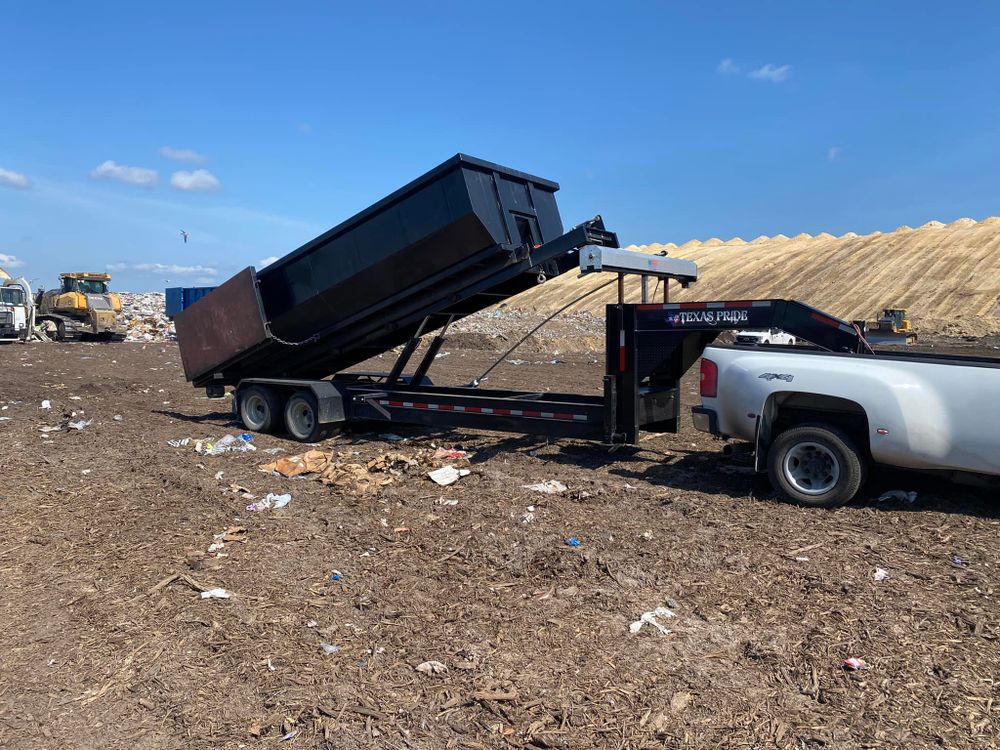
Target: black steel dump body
{"type": "Point", "coordinates": [465, 235]}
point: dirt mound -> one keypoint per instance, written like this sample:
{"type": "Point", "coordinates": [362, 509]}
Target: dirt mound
{"type": "Point", "coordinates": [948, 276]}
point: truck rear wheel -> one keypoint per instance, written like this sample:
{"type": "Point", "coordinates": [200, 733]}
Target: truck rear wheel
{"type": "Point", "coordinates": [260, 408]}
{"type": "Point", "coordinates": [815, 465]}
{"type": "Point", "coordinates": [302, 418]}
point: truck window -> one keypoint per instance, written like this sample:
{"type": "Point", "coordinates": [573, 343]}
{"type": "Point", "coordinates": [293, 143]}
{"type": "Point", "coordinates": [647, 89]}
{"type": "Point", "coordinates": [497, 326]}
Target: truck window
{"type": "Point", "coordinates": [11, 295]}
{"type": "Point", "coordinates": [92, 286]}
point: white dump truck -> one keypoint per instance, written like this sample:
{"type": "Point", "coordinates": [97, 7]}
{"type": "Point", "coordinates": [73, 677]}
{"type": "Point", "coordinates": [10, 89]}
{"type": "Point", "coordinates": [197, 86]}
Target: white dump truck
{"type": "Point", "coordinates": [15, 308]}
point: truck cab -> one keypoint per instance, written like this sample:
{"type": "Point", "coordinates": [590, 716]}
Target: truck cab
{"type": "Point", "coordinates": [13, 313]}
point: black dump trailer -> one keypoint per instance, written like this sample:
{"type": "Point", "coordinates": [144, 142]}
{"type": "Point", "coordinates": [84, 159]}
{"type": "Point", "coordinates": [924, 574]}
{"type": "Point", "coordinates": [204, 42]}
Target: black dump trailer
{"type": "Point", "coordinates": [466, 235]}
{"type": "Point", "coordinates": [462, 237]}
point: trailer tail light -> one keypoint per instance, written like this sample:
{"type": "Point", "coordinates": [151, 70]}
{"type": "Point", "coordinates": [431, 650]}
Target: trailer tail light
{"type": "Point", "coordinates": [709, 379]}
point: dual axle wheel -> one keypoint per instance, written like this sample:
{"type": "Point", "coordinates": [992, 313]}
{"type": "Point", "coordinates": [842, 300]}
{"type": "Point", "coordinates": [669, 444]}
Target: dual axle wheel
{"type": "Point", "coordinates": [264, 409]}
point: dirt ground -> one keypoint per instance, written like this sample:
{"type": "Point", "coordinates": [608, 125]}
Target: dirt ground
{"type": "Point", "coordinates": [104, 537]}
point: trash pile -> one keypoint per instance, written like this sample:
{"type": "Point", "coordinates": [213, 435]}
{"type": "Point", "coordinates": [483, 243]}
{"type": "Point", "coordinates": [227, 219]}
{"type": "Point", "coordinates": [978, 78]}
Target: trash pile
{"type": "Point", "coordinates": [144, 317]}
{"type": "Point", "coordinates": [344, 472]}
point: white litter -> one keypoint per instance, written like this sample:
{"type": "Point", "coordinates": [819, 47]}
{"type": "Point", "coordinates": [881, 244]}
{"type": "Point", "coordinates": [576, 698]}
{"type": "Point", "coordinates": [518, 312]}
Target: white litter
{"type": "Point", "coordinates": [446, 501]}
{"type": "Point", "coordinates": [431, 667]}
{"type": "Point", "coordinates": [802, 559]}
{"type": "Point", "coordinates": [215, 594]}
{"type": "Point", "coordinates": [219, 474]}
{"type": "Point", "coordinates": [328, 648]}
{"type": "Point", "coordinates": [649, 618]}
{"type": "Point", "coordinates": [271, 501]}
{"type": "Point", "coordinates": [448, 475]}
{"type": "Point", "coordinates": [906, 497]}
{"type": "Point", "coordinates": [118, 418]}
{"type": "Point", "coordinates": [549, 487]}
{"type": "Point", "coordinates": [80, 424]}
{"type": "Point", "coordinates": [180, 443]}
{"type": "Point", "coordinates": [881, 574]}
{"type": "Point", "coordinates": [46, 404]}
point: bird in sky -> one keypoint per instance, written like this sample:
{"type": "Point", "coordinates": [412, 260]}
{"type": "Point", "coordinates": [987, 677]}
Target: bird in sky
{"type": "Point", "coordinates": [185, 236]}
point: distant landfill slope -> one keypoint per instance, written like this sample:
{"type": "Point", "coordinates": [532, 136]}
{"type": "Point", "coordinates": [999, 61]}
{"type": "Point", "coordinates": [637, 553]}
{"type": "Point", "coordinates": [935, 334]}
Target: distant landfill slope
{"type": "Point", "coordinates": [947, 275]}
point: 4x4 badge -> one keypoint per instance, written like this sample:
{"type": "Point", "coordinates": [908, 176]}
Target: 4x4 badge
{"type": "Point", "coordinates": [776, 376]}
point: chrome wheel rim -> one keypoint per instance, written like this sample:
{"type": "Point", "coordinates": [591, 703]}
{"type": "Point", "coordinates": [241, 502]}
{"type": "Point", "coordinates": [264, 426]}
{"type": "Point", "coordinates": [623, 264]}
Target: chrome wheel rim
{"type": "Point", "coordinates": [811, 468]}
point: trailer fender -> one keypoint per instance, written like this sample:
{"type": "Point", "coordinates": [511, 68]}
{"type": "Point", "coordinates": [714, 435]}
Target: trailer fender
{"type": "Point", "coordinates": [331, 402]}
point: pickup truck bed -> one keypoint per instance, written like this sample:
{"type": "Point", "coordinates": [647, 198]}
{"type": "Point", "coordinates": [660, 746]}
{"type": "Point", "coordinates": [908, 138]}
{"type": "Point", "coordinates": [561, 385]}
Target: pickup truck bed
{"type": "Point", "coordinates": [806, 410]}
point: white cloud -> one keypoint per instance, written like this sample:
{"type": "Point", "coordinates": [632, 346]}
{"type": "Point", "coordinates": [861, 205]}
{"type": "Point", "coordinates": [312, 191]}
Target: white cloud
{"type": "Point", "coordinates": [182, 154]}
{"type": "Point", "coordinates": [198, 181]}
{"type": "Point", "coordinates": [772, 73]}
{"type": "Point", "coordinates": [263, 262]}
{"type": "Point", "coordinates": [10, 261]}
{"type": "Point", "coordinates": [203, 272]}
{"type": "Point", "coordinates": [13, 179]}
{"type": "Point", "coordinates": [727, 66]}
{"type": "Point", "coordinates": [129, 175]}
{"type": "Point", "coordinates": [833, 153]}
{"type": "Point", "coordinates": [176, 270]}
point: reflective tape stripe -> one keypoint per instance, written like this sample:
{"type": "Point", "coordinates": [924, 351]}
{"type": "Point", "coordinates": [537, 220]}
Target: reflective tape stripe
{"type": "Point", "coordinates": [527, 414]}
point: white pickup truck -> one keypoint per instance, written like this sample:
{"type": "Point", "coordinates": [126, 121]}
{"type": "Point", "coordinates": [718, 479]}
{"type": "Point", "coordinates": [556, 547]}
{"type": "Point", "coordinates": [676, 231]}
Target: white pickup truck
{"type": "Point", "coordinates": [817, 419]}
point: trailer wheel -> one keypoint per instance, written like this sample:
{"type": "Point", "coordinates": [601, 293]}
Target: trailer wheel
{"type": "Point", "coordinates": [815, 465]}
{"type": "Point", "coordinates": [302, 418]}
{"type": "Point", "coordinates": [260, 408]}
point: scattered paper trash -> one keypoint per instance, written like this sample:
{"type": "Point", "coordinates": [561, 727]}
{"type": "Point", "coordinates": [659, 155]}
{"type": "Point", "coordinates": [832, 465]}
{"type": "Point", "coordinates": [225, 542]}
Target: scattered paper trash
{"type": "Point", "coordinates": [902, 495]}
{"type": "Point", "coordinates": [802, 558]}
{"type": "Point", "coordinates": [270, 501]}
{"type": "Point", "coordinates": [549, 487]}
{"type": "Point", "coordinates": [650, 618]}
{"type": "Point", "coordinates": [446, 501]}
{"type": "Point", "coordinates": [431, 667]}
{"type": "Point", "coordinates": [219, 474]}
{"type": "Point", "coordinates": [79, 425]}
{"type": "Point", "coordinates": [46, 404]}
{"type": "Point", "coordinates": [290, 735]}
{"type": "Point", "coordinates": [447, 475]}
{"type": "Point", "coordinates": [215, 594]}
{"type": "Point", "coordinates": [85, 472]}
{"type": "Point", "coordinates": [881, 574]}
{"type": "Point", "coordinates": [179, 443]}
{"type": "Point", "coordinates": [329, 648]}
{"type": "Point", "coordinates": [572, 541]}
{"type": "Point", "coordinates": [856, 665]}
{"type": "Point", "coordinates": [118, 418]}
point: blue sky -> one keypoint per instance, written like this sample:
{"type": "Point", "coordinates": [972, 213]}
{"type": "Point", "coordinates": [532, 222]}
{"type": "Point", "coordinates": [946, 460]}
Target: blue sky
{"type": "Point", "coordinates": [254, 126]}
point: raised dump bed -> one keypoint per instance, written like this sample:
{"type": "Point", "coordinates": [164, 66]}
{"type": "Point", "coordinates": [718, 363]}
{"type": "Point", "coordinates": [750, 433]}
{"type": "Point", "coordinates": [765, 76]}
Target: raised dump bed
{"type": "Point", "coordinates": [465, 235]}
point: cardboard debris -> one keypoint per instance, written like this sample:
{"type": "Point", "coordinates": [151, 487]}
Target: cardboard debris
{"type": "Point", "coordinates": [345, 473]}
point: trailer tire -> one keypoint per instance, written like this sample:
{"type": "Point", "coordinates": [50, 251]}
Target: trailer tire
{"type": "Point", "coordinates": [816, 465]}
{"type": "Point", "coordinates": [302, 418]}
{"type": "Point", "coordinates": [260, 408]}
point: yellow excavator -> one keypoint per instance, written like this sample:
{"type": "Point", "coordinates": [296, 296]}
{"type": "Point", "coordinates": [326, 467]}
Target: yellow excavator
{"type": "Point", "coordinates": [81, 308]}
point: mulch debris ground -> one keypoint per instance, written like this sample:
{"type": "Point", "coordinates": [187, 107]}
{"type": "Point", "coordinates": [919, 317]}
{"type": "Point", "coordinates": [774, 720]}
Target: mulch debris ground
{"type": "Point", "coordinates": [379, 609]}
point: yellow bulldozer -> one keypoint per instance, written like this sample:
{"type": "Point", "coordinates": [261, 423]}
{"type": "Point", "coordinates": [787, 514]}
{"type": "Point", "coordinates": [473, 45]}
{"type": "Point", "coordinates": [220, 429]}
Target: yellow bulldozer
{"type": "Point", "coordinates": [81, 308]}
{"type": "Point", "coordinates": [892, 327]}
